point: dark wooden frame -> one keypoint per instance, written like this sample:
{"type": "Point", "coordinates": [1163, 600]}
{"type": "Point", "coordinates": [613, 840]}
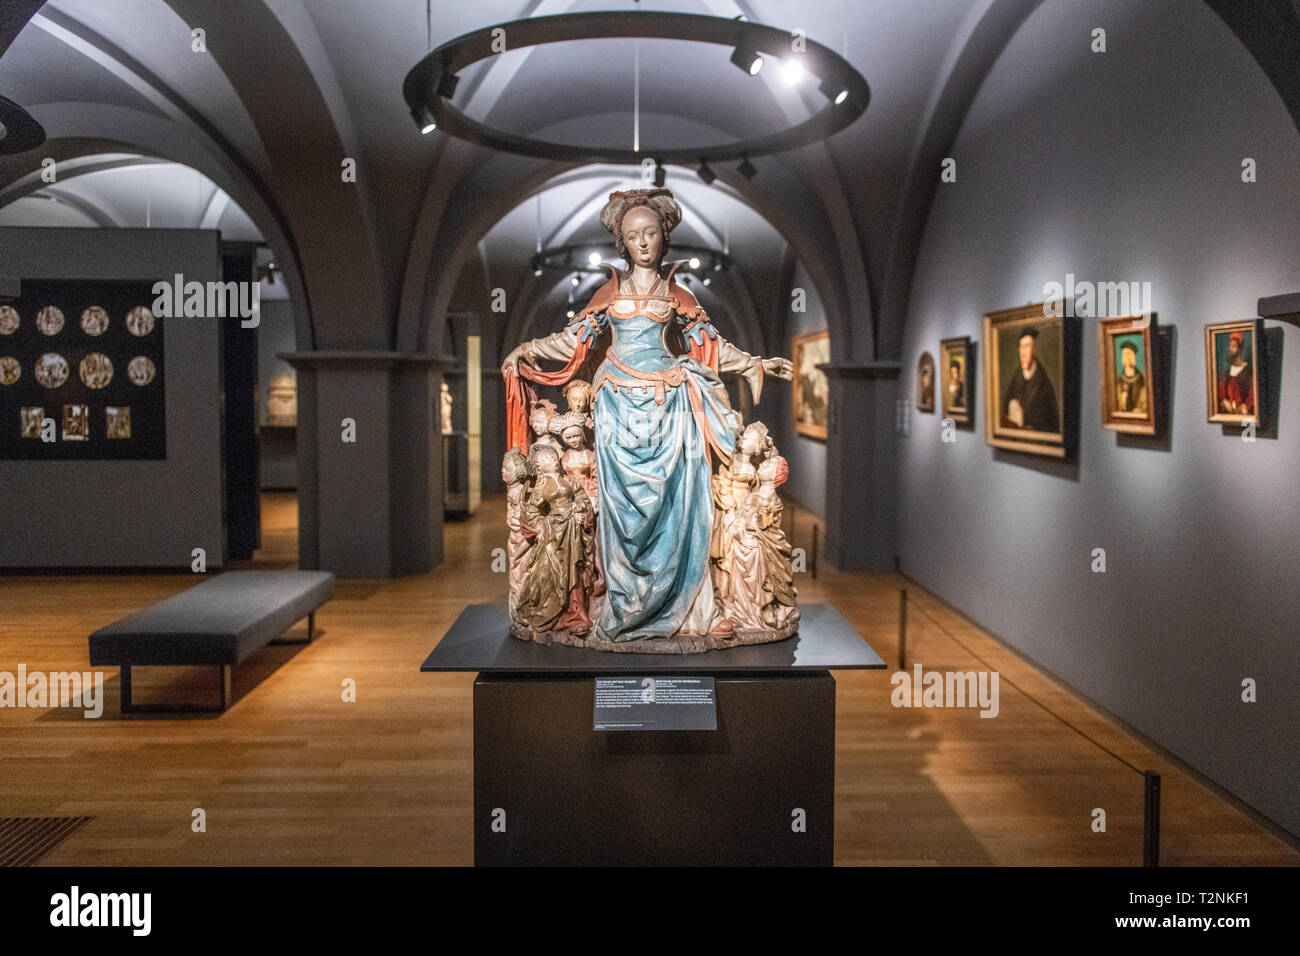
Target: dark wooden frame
{"type": "Point", "coordinates": [966, 415]}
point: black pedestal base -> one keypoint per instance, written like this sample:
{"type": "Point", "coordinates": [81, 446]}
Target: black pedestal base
{"type": "Point", "coordinates": [758, 791]}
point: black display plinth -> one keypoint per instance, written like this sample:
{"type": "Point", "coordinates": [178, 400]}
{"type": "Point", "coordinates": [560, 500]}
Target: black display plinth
{"type": "Point", "coordinates": [550, 790]}
{"type": "Point", "coordinates": [758, 791]}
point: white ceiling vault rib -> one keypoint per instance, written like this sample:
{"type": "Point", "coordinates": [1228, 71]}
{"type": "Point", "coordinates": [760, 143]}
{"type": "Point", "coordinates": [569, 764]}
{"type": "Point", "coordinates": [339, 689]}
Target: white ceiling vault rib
{"type": "Point", "coordinates": [70, 169]}
{"type": "Point", "coordinates": [975, 47]}
{"type": "Point", "coordinates": [184, 120]}
{"type": "Point", "coordinates": [91, 210]}
{"type": "Point", "coordinates": [300, 27]}
{"type": "Point", "coordinates": [215, 209]}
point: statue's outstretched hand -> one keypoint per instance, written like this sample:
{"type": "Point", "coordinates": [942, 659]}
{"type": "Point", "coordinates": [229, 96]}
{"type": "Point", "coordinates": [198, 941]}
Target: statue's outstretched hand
{"type": "Point", "coordinates": [511, 364]}
{"type": "Point", "coordinates": [780, 367]}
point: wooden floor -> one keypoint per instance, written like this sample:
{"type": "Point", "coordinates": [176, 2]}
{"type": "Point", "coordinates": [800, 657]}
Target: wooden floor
{"type": "Point", "coordinates": [293, 775]}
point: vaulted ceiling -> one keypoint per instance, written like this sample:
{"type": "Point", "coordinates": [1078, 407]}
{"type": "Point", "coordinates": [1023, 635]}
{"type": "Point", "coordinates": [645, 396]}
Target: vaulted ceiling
{"type": "Point", "coordinates": [285, 91]}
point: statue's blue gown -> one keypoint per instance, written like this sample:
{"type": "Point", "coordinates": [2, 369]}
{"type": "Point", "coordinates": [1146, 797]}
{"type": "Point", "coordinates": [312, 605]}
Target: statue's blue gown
{"type": "Point", "coordinates": [652, 465]}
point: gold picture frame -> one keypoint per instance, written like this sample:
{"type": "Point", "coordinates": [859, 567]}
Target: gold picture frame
{"type": "Point", "coordinates": [1128, 371]}
{"type": "Point", "coordinates": [1225, 380]}
{"type": "Point", "coordinates": [958, 396]}
{"type": "Point", "coordinates": [1030, 415]}
{"type": "Point", "coordinates": [925, 383]}
{"type": "Point", "coordinates": [811, 394]}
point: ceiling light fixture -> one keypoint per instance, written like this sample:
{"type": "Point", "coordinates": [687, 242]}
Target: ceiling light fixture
{"type": "Point", "coordinates": [446, 87]}
{"type": "Point", "coordinates": [706, 173]}
{"type": "Point", "coordinates": [792, 72]}
{"type": "Point", "coordinates": [837, 93]}
{"type": "Point", "coordinates": [19, 131]}
{"type": "Point", "coordinates": [746, 168]}
{"type": "Point", "coordinates": [430, 82]}
{"type": "Point", "coordinates": [424, 119]}
{"type": "Point", "coordinates": [748, 60]}
{"type": "Point", "coordinates": [578, 262]}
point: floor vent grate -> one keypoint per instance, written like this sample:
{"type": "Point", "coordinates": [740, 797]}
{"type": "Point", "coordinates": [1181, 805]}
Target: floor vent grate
{"type": "Point", "coordinates": [25, 841]}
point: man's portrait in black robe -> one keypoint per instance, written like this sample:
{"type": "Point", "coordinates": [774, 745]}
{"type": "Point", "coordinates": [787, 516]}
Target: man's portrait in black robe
{"type": "Point", "coordinates": [1029, 400]}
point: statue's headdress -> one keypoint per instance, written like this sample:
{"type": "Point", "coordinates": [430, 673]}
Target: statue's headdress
{"type": "Point", "coordinates": [659, 201]}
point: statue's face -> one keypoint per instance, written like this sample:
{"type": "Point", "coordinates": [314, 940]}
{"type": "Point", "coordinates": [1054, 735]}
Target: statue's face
{"type": "Point", "coordinates": [573, 437]}
{"type": "Point", "coordinates": [643, 237]}
{"type": "Point", "coordinates": [540, 420]}
{"type": "Point", "coordinates": [579, 401]}
{"type": "Point", "coordinates": [751, 442]}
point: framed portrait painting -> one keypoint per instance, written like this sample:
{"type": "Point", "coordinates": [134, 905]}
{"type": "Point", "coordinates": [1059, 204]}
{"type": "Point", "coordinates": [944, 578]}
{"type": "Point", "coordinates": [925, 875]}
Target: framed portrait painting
{"type": "Point", "coordinates": [1232, 370]}
{"type": "Point", "coordinates": [1028, 361]}
{"type": "Point", "coordinates": [956, 380]}
{"type": "Point", "coordinates": [925, 383]}
{"type": "Point", "coordinates": [1128, 375]}
{"type": "Point", "coordinates": [812, 390]}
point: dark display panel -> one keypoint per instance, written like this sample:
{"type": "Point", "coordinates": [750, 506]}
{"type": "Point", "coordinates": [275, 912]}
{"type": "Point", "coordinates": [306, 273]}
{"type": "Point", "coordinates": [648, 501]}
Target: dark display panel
{"type": "Point", "coordinates": [89, 356]}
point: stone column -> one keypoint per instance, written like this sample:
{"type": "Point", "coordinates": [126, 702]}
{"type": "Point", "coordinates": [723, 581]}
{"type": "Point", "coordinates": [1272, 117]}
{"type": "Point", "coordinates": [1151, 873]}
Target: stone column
{"type": "Point", "coordinates": [370, 506]}
{"type": "Point", "coordinates": [861, 466]}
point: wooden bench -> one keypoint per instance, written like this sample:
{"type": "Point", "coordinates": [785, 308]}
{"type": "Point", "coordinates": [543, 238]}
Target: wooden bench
{"type": "Point", "coordinates": [220, 622]}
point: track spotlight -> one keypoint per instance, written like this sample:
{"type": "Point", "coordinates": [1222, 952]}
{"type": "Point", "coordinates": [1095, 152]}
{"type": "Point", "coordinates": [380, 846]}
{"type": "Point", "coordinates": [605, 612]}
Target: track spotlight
{"type": "Point", "coordinates": [661, 174]}
{"type": "Point", "coordinates": [705, 173]}
{"type": "Point", "coordinates": [707, 280]}
{"type": "Point", "coordinates": [834, 92]}
{"type": "Point", "coordinates": [570, 314]}
{"type": "Point", "coordinates": [747, 60]}
{"type": "Point", "coordinates": [593, 259]}
{"type": "Point", "coordinates": [717, 265]}
{"type": "Point", "coordinates": [423, 117]}
{"type": "Point", "coordinates": [446, 87]}
{"type": "Point", "coordinates": [575, 281]}
{"type": "Point", "coordinates": [695, 262]}
{"type": "Point", "coordinates": [537, 270]}
{"type": "Point", "coordinates": [746, 168]}
{"type": "Point", "coordinates": [792, 72]}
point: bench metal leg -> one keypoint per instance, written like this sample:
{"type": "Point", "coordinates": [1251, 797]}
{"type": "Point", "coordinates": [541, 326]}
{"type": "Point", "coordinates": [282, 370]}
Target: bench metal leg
{"type": "Point", "coordinates": [130, 708]}
{"type": "Point", "coordinates": [311, 632]}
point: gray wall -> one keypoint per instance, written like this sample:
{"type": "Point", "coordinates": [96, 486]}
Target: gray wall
{"type": "Point", "coordinates": [807, 456]}
{"type": "Point", "coordinates": [125, 513]}
{"type": "Point", "coordinates": [1126, 165]}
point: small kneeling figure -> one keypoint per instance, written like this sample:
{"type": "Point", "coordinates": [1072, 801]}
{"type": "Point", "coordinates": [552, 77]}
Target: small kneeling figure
{"type": "Point", "coordinates": [558, 515]}
{"type": "Point", "coordinates": [758, 583]}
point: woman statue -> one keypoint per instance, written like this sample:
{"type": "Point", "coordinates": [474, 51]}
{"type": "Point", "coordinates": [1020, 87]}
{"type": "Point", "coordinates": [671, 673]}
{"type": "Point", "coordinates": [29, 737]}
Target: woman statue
{"type": "Point", "coordinates": [661, 414]}
{"type": "Point", "coordinates": [577, 460]}
{"type": "Point", "coordinates": [731, 487]}
{"type": "Point", "coordinates": [539, 419]}
{"type": "Point", "coordinates": [514, 472]}
{"type": "Point", "coordinates": [759, 592]}
{"type": "Point", "coordinates": [558, 580]}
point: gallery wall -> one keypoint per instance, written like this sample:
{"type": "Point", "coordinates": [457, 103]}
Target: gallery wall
{"type": "Point", "coordinates": [1126, 165]}
{"type": "Point", "coordinates": [79, 514]}
{"type": "Point", "coordinates": [806, 456]}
